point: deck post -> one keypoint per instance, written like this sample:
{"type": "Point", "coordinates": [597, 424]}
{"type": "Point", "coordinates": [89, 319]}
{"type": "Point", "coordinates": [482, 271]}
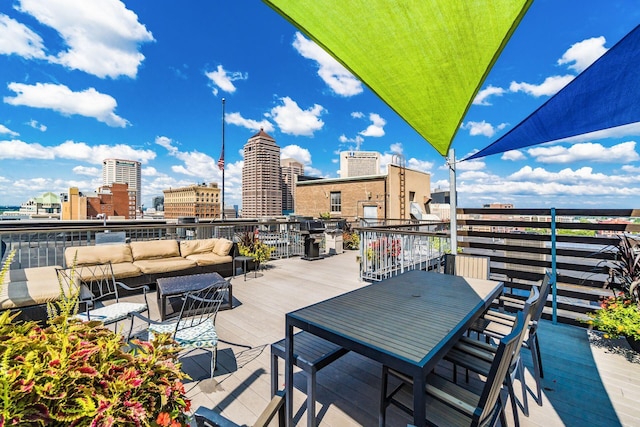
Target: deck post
{"type": "Point", "coordinates": [553, 268]}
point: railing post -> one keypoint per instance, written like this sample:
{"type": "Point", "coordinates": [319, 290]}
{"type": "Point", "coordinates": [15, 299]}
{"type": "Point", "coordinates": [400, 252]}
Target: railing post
{"type": "Point", "coordinates": [554, 297]}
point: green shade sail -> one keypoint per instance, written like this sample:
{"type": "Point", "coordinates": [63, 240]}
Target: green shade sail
{"type": "Point", "coordinates": [425, 59]}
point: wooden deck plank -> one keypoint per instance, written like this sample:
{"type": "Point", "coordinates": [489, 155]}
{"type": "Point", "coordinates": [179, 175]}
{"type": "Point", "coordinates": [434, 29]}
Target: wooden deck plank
{"type": "Point", "coordinates": [587, 381]}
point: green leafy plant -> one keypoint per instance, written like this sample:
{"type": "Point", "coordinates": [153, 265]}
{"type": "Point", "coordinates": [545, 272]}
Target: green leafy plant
{"type": "Point", "coordinates": [624, 270]}
{"type": "Point", "coordinates": [618, 316]}
{"type": "Point", "coordinates": [250, 245]}
{"type": "Point", "coordinates": [350, 239]}
{"type": "Point", "coordinates": [74, 373]}
{"type": "Point", "coordinates": [324, 215]}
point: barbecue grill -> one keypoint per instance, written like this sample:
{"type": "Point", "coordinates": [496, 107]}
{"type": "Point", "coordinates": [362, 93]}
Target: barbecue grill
{"type": "Point", "coordinates": [313, 232]}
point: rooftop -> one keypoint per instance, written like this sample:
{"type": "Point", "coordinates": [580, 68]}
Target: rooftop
{"type": "Point", "coordinates": [587, 381]}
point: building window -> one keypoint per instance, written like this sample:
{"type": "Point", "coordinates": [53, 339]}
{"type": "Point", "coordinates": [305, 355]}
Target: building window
{"type": "Point", "coordinates": [336, 201]}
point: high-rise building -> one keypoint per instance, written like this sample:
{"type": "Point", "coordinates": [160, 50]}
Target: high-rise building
{"type": "Point", "coordinates": [290, 170]}
{"type": "Point", "coordinates": [124, 172]}
{"type": "Point", "coordinates": [198, 200]}
{"type": "Point", "coordinates": [261, 181]}
{"type": "Point", "coordinates": [359, 163]}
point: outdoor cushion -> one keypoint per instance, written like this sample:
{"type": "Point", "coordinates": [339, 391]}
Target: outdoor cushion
{"type": "Point", "coordinates": [114, 312]}
{"type": "Point", "coordinates": [30, 286]}
{"type": "Point", "coordinates": [91, 255]}
{"type": "Point", "coordinates": [155, 249]}
{"type": "Point", "coordinates": [125, 269]}
{"type": "Point", "coordinates": [164, 265]}
{"type": "Point", "coordinates": [210, 259]}
{"type": "Point", "coordinates": [223, 246]}
{"type": "Point", "coordinates": [190, 247]}
{"type": "Point", "coordinates": [201, 335]}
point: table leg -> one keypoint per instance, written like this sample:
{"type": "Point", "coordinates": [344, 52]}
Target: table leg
{"type": "Point", "coordinates": [244, 269]}
{"type": "Point", "coordinates": [419, 396]}
{"type": "Point", "coordinates": [288, 369]}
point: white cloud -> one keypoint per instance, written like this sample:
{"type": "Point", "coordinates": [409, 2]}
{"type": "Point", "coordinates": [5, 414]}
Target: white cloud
{"type": "Point", "coordinates": [38, 126]}
{"type": "Point", "coordinates": [224, 79]}
{"type": "Point", "coordinates": [619, 153]}
{"type": "Point", "coordinates": [293, 120]}
{"type": "Point", "coordinates": [632, 129]}
{"type": "Point", "coordinates": [97, 153]}
{"type": "Point", "coordinates": [513, 155]}
{"type": "Point", "coordinates": [376, 128]}
{"type": "Point", "coordinates": [387, 158]}
{"type": "Point", "coordinates": [470, 165]}
{"type": "Point", "coordinates": [200, 166]}
{"type": "Point", "coordinates": [88, 171]}
{"type": "Point", "coordinates": [357, 115]}
{"type": "Point", "coordinates": [149, 171]}
{"type": "Point", "coordinates": [102, 36]}
{"type": "Point", "coordinates": [5, 130]}
{"type": "Point", "coordinates": [18, 39]}
{"type": "Point", "coordinates": [16, 150]}
{"type": "Point", "coordinates": [238, 120]}
{"type": "Point", "coordinates": [296, 152]}
{"type": "Point", "coordinates": [549, 87]}
{"type": "Point", "coordinates": [338, 78]}
{"type": "Point", "coordinates": [88, 103]}
{"type": "Point", "coordinates": [358, 140]}
{"type": "Point", "coordinates": [582, 54]}
{"type": "Point", "coordinates": [481, 97]}
{"type": "Point", "coordinates": [482, 128]}
{"type": "Point", "coordinates": [631, 169]}
{"type": "Point", "coordinates": [81, 151]}
{"type": "Point", "coordinates": [420, 165]}
{"type": "Point", "coordinates": [584, 175]}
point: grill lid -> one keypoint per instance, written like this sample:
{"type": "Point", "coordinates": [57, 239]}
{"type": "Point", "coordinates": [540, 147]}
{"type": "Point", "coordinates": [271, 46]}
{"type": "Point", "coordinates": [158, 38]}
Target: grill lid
{"type": "Point", "coordinates": [312, 226]}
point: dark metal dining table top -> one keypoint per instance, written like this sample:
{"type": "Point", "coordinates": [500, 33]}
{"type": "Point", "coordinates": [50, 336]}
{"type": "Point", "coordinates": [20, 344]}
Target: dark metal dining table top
{"type": "Point", "coordinates": [406, 319]}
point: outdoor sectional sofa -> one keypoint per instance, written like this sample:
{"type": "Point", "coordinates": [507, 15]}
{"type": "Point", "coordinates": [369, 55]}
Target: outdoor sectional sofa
{"type": "Point", "coordinates": [135, 264]}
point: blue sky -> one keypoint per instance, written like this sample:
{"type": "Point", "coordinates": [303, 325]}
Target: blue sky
{"type": "Point", "coordinates": [81, 81]}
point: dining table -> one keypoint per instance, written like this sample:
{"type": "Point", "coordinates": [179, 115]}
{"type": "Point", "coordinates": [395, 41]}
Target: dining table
{"type": "Point", "coordinates": [407, 322]}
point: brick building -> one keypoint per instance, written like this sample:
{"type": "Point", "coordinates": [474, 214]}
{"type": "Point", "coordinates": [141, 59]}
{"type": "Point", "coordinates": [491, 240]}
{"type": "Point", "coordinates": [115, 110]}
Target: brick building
{"type": "Point", "coordinates": [402, 193]}
{"type": "Point", "coordinates": [197, 200]}
{"type": "Point", "coordinates": [108, 201]}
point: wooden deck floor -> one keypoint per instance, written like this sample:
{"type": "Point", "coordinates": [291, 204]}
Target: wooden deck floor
{"type": "Point", "coordinates": [587, 380]}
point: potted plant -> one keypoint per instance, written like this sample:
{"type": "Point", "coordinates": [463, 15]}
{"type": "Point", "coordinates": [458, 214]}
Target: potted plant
{"type": "Point", "coordinates": [250, 245]}
{"type": "Point", "coordinates": [619, 314]}
{"type": "Point", "coordinates": [350, 239]}
{"type": "Point", "coordinates": [74, 373]}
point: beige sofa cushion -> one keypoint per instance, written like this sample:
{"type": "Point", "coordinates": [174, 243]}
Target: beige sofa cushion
{"type": "Point", "coordinates": [210, 259]}
{"type": "Point", "coordinates": [223, 246]}
{"type": "Point", "coordinates": [155, 249]}
{"type": "Point", "coordinates": [30, 286]}
{"type": "Point", "coordinates": [190, 247]}
{"type": "Point", "coordinates": [90, 255]}
{"type": "Point", "coordinates": [164, 265]}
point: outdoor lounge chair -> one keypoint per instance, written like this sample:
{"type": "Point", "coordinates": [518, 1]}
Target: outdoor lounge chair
{"type": "Point", "coordinates": [496, 324]}
{"type": "Point", "coordinates": [472, 266]}
{"type": "Point", "coordinates": [99, 292]}
{"type": "Point", "coordinates": [477, 356]}
{"type": "Point", "coordinates": [450, 404]}
{"type": "Point", "coordinates": [195, 327]}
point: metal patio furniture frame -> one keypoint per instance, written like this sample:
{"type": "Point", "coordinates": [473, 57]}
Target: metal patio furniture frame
{"type": "Point", "coordinates": [436, 310]}
{"type": "Point", "coordinates": [465, 265]}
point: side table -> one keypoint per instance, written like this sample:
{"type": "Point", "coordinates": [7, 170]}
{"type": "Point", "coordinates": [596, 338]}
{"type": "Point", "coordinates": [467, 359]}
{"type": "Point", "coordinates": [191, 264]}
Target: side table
{"type": "Point", "coordinates": [244, 260]}
{"type": "Point", "coordinates": [168, 287]}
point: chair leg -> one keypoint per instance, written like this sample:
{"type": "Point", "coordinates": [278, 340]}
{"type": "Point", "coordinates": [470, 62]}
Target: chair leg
{"type": "Point", "coordinates": [382, 415]}
{"type": "Point", "coordinates": [274, 374]}
{"type": "Point", "coordinates": [537, 344]}
{"type": "Point", "coordinates": [525, 399]}
{"type": "Point", "coordinates": [512, 398]}
{"type": "Point", "coordinates": [533, 347]}
{"type": "Point", "coordinates": [214, 356]}
{"type": "Point", "coordinates": [311, 399]}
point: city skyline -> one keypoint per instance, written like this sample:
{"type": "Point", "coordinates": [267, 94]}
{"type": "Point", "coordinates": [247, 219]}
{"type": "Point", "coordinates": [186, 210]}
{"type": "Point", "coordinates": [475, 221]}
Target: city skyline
{"type": "Point", "coordinates": [144, 82]}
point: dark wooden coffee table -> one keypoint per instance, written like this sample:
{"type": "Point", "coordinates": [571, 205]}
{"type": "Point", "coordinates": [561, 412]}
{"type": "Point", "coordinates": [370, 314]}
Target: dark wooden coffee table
{"type": "Point", "coordinates": [176, 286]}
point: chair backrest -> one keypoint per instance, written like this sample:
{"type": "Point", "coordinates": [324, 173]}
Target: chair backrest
{"type": "Point", "coordinates": [99, 278]}
{"type": "Point", "coordinates": [203, 305]}
{"type": "Point", "coordinates": [499, 369]}
{"type": "Point", "coordinates": [472, 266]}
{"type": "Point", "coordinates": [545, 287]}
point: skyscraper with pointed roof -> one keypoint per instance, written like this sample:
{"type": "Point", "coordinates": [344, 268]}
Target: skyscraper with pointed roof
{"type": "Point", "coordinates": [261, 181]}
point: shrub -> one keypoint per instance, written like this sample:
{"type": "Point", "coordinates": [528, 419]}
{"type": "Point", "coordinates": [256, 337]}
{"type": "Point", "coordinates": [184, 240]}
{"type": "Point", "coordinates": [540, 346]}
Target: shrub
{"type": "Point", "coordinates": [618, 316]}
{"type": "Point", "coordinates": [74, 373]}
{"type": "Point", "coordinates": [249, 245]}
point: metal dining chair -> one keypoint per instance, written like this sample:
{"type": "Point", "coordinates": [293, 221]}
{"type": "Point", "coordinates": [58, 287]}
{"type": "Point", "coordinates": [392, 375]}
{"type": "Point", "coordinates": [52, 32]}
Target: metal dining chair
{"type": "Point", "coordinates": [449, 403]}
{"type": "Point", "coordinates": [100, 294]}
{"type": "Point", "coordinates": [496, 324]}
{"type": "Point", "coordinates": [477, 356]}
{"type": "Point", "coordinates": [195, 327]}
{"type": "Point", "coordinates": [473, 266]}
